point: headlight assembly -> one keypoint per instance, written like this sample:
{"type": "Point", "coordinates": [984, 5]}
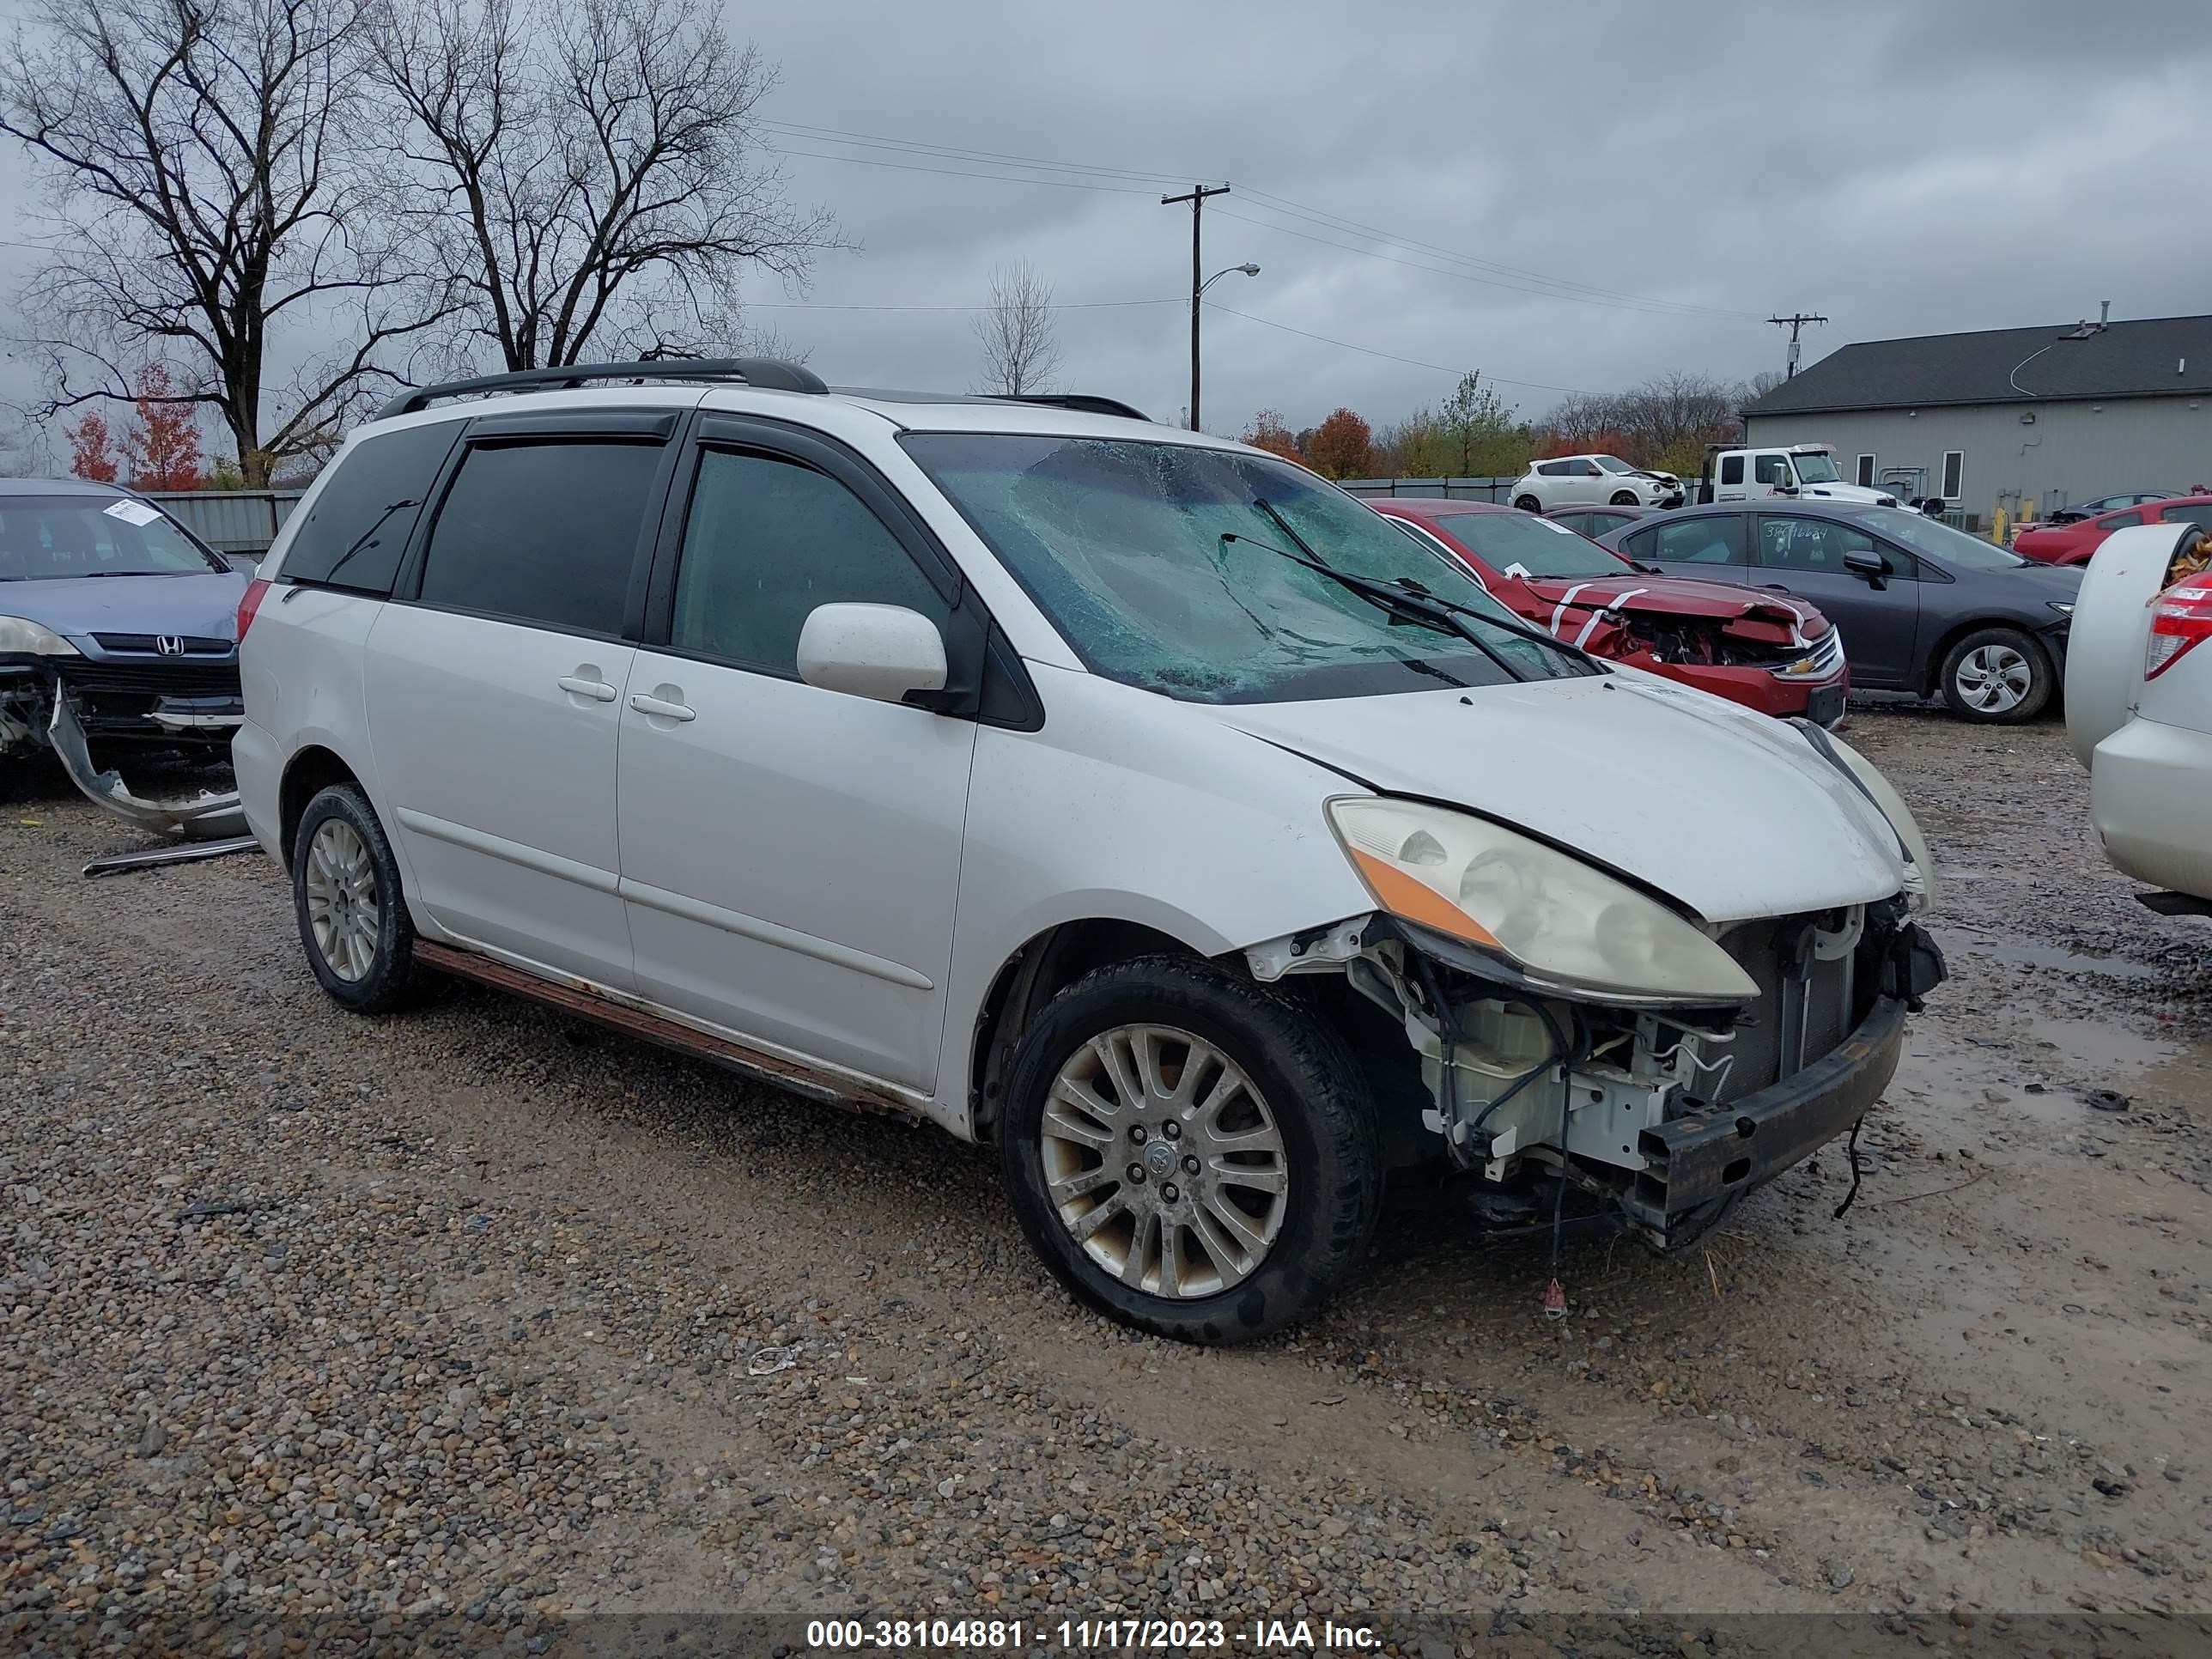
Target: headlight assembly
{"type": "Point", "coordinates": [22, 635]}
{"type": "Point", "coordinates": [1559, 922]}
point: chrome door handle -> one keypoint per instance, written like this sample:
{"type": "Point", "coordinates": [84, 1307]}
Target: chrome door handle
{"type": "Point", "coordinates": [660, 709]}
{"type": "Point", "coordinates": [596, 690]}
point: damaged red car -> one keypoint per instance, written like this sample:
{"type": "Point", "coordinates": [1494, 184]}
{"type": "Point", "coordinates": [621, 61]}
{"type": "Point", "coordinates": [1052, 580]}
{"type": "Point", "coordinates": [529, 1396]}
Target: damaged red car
{"type": "Point", "coordinates": [1773, 652]}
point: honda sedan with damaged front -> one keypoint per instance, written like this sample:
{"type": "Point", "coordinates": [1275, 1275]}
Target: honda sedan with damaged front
{"type": "Point", "coordinates": [117, 629]}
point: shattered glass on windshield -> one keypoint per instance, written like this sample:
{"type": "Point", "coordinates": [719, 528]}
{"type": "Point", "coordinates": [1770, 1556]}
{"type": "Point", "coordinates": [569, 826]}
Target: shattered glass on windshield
{"type": "Point", "coordinates": [1160, 566]}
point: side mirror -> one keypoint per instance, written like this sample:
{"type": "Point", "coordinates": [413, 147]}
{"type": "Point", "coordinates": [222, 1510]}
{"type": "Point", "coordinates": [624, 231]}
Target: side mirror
{"type": "Point", "coordinates": [881, 652]}
{"type": "Point", "coordinates": [1784, 487]}
{"type": "Point", "coordinates": [1872, 566]}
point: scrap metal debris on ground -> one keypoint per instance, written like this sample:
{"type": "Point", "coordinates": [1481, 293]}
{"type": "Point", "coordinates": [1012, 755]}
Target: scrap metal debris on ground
{"type": "Point", "coordinates": [191, 852]}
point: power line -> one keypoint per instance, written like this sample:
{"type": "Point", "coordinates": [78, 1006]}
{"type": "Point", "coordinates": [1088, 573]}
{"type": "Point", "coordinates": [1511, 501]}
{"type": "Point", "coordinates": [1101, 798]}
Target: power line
{"type": "Point", "coordinates": [1536, 283]}
{"type": "Point", "coordinates": [1267, 322]}
{"type": "Point", "coordinates": [954, 152]}
{"type": "Point", "coordinates": [951, 172]}
{"type": "Point", "coordinates": [1659, 308]}
{"type": "Point", "coordinates": [1335, 221]}
{"type": "Point", "coordinates": [1065, 305]}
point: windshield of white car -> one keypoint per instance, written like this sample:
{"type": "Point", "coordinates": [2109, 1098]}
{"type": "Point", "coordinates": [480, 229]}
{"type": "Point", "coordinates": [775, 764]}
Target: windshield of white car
{"type": "Point", "coordinates": [1817, 469]}
{"type": "Point", "coordinates": [56, 537]}
{"type": "Point", "coordinates": [1153, 561]}
{"type": "Point", "coordinates": [1522, 543]}
{"type": "Point", "coordinates": [1925, 535]}
{"type": "Point", "coordinates": [1612, 463]}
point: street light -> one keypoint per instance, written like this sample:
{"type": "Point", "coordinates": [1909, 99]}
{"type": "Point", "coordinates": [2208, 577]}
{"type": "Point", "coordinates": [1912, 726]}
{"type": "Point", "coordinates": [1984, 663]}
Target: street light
{"type": "Point", "coordinates": [1196, 292]}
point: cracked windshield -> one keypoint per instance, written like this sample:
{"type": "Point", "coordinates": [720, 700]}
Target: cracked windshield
{"type": "Point", "coordinates": [1176, 569]}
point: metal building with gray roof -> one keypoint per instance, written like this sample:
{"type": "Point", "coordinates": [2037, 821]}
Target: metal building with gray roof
{"type": "Point", "coordinates": [2010, 418]}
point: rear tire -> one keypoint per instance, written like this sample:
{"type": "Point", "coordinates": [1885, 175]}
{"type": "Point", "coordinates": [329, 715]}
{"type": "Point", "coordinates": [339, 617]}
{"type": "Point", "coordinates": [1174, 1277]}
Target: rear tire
{"type": "Point", "coordinates": [345, 896]}
{"type": "Point", "coordinates": [1252, 1127]}
{"type": "Point", "coordinates": [1624, 498]}
{"type": "Point", "coordinates": [1997, 676]}
{"type": "Point", "coordinates": [1528, 504]}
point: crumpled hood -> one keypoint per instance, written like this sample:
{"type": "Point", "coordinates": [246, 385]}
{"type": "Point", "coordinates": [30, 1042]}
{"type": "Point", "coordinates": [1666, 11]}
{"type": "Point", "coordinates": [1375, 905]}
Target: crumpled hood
{"type": "Point", "coordinates": [1672, 596]}
{"type": "Point", "coordinates": [1728, 812]}
{"type": "Point", "coordinates": [206, 606]}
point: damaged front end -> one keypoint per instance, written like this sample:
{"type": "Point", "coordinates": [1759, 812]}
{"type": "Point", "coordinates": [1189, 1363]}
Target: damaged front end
{"type": "Point", "coordinates": [42, 706]}
{"type": "Point", "coordinates": [1666, 1115]}
{"type": "Point", "coordinates": [1767, 648]}
{"type": "Point", "coordinates": [1570, 1026]}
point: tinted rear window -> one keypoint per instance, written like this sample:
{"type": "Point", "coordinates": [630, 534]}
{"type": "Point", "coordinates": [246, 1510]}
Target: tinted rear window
{"type": "Point", "coordinates": [542, 532]}
{"type": "Point", "coordinates": [359, 525]}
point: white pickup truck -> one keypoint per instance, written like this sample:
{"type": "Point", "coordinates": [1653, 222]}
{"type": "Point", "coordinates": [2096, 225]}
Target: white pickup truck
{"type": "Point", "coordinates": [1795, 471]}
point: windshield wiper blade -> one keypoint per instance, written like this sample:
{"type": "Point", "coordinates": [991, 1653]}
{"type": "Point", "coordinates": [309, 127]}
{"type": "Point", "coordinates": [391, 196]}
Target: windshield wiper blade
{"type": "Point", "coordinates": [1407, 583]}
{"type": "Point", "coordinates": [365, 540]}
{"type": "Point", "coordinates": [1404, 603]}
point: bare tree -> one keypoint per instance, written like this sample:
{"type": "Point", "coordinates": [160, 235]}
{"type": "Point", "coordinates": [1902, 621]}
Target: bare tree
{"type": "Point", "coordinates": [1019, 352]}
{"type": "Point", "coordinates": [207, 206]}
{"type": "Point", "coordinates": [587, 175]}
{"type": "Point", "coordinates": [26, 451]}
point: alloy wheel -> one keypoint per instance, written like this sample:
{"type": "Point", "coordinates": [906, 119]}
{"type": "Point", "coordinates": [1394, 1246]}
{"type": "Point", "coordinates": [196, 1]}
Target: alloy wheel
{"type": "Point", "coordinates": [345, 912]}
{"type": "Point", "coordinates": [1163, 1160]}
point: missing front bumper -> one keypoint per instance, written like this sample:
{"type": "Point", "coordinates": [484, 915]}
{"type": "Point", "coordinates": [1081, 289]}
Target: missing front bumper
{"type": "Point", "coordinates": [1693, 1162]}
{"type": "Point", "coordinates": [210, 816]}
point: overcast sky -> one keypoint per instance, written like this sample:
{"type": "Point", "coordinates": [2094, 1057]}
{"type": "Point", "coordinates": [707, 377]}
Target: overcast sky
{"type": "Point", "coordinates": [1603, 191]}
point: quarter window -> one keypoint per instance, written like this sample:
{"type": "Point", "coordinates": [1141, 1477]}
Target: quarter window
{"type": "Point", "coordinates": [358, 524]}
{"type": "Point", "coordinates": [767, 541]}
{"type": "Point", "coordinates": [542, 532]}
{"type": "Point", "coordinates": [2121, 520]}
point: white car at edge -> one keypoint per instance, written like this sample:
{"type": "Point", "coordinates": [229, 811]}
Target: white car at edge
{"type": "Point", "coordinates": [2139, 708]}
{"type": "Point", "coordinates": [1593, 480]}
{"type": "Point", "coordinates": [1090, 788]}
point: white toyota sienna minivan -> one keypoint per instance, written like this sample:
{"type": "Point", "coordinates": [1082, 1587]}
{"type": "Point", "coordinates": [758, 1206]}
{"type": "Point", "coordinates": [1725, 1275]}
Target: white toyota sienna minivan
{"type": "Point", "coordinates": [1130, 799]}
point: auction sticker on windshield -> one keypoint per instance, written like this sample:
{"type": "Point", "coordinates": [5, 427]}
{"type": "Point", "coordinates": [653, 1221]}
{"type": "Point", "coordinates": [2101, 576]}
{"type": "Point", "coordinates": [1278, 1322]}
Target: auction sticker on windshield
{"type": "Point", "coordinates": [133, 512]}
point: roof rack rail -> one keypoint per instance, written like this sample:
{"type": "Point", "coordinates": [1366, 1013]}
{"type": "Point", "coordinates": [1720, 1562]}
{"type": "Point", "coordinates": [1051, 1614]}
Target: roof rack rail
{"type": "Point", "coordinates": [1087, 402]}
{"type": "Point", "coordinates": [766, 373]}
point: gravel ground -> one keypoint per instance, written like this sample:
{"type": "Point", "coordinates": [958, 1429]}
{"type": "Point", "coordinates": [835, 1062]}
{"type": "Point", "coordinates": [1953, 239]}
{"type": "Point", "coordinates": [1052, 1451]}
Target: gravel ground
{"type": "Point", "coordinates": [479, 1317]}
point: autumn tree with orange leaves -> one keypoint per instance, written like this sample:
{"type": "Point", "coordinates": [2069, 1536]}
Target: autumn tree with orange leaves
{"type": "Point", "coordinates": [1269, 431]}
{"type": "Point", "coordinates": [92, 451]}
{"type": "Point", "coordinates": [1343, 447]}
{"type": "Point", "coordinates": [164, 450]}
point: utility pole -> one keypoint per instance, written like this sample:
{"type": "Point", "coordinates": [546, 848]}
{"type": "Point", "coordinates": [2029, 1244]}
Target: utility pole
{"type": "Point", "coordinates": [1196, 197]}
{"type": "Point", "coordinates": [1793, 324]}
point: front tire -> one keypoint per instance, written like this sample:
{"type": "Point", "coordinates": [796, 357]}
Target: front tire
{"type": "Point", "coordinates": [1190, 1153]}
{"type": "Point", "coordinates": [1624, 498]}
{"type": "Point", "coordinates": [346, 897]}
{"type": "Point", "coordinates": [1997, 676]}
{"type": "Point", "coordinates": [1528, 504]}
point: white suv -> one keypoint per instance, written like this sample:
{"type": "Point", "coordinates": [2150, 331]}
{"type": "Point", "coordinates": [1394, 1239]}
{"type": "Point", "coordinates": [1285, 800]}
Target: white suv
{"type": "Point", "coordinates": [1129, 799]}
{"type": "Point", "coordinates": [1593, 480]}
{"type": "Point", "coordinates": [2139, 707]}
